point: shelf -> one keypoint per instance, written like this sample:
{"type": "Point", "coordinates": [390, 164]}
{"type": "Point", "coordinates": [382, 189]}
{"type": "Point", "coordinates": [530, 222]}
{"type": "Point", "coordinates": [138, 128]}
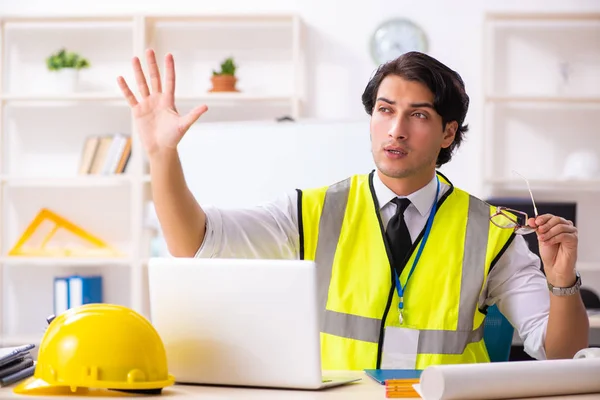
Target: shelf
{"type": "Point", "coordinates": [554, 24]}
{"type": "Point", "coordinates": [31, 25]}
{"type": "Point", "coordinates": [543, 99]}
{"type": "Point", "coordinates": [112, 97]}
{"type": "Point", "coordinates": [50, 97]}
{"type": "Point", "coordinates": [233, 96]}
{"type": "Point", "coordinates": [85, 181]}
{"type": "Point", "coordinates": [65, 261]}
{"type": "Point", "coordinates": [541, 184]}
{"type": "Point", "coordinates": [30, 21]}
{"type": "Point", "coordinates": [540, 16]}
{"type": "Point", "coordinates": [221, 22]}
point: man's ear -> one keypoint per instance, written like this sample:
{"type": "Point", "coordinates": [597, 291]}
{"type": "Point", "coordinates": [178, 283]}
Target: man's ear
{"type": "Point", "coordinates": [449, 133]}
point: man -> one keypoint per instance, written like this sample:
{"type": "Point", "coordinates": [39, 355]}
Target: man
{"type": "Point", "coordinates": [407, 263]}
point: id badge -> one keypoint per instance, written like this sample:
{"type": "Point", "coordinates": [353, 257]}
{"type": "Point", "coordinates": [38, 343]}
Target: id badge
{"type": "Point", "coordinates": [399, 348]}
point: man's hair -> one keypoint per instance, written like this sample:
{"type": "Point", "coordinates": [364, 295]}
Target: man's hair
{"type": "Point", "coordinates": [450, 98]}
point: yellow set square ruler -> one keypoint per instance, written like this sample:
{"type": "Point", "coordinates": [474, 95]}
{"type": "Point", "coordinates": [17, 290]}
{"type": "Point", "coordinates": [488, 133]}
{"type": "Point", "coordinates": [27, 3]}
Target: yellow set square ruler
{"type": "Point", "coordinates": [51, 235]}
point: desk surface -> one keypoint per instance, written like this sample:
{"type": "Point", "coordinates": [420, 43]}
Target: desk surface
{"type": "Point", "coordinates": [594, 318]}
{"type": "Point", "coordinates": [363, 389]}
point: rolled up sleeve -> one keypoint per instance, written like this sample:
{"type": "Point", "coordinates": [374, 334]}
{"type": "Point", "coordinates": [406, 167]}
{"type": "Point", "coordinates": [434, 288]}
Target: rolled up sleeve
{"type": "Point", "coordinates": [268, 231]}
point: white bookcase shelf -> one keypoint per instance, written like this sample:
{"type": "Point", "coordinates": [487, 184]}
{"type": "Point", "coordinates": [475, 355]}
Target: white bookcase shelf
{"type": "Point", "coordinates": [542, 91]}
{"type": "Point", "coordinates": [542, 98]}
{"type": "Point", "coordinates": [43, 129]}
{"type": "Point", "coordinates": [65, 261]}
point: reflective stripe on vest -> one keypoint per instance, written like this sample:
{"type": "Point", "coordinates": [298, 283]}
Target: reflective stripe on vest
{"type": "Point", "coordinates": [368, 329]}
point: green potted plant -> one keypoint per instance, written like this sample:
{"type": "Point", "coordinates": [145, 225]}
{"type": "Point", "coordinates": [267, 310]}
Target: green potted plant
{"type": "Point", "coordinates": [225, 79]}
{"type": "Point", "coordinates": [65, 66]}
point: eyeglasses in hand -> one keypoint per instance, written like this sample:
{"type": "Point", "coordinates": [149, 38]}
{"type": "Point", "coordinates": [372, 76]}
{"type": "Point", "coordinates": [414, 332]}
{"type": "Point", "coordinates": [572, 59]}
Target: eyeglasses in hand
{"type": "Point", "coordinates": [508, 218]}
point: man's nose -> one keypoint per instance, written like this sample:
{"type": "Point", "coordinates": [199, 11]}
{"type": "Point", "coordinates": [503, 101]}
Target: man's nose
{"type": "Point", "coordinates": [397, 128]}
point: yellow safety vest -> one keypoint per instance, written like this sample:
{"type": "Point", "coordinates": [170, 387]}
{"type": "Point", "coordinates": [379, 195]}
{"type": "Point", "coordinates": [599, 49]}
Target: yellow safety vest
{"type": "Point", "coordinates": [341, 229]}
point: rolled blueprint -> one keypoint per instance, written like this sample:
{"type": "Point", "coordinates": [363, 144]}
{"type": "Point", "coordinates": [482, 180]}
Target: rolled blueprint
{"type": "Point", "coordinates": [516, 379]}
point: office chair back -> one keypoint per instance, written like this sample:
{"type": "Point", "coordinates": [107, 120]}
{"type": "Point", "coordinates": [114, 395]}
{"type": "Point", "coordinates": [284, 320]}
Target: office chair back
{"type": "Point", "coordinates": [590, 299]}
{"type": "Point", "coordinates": [497, 335]}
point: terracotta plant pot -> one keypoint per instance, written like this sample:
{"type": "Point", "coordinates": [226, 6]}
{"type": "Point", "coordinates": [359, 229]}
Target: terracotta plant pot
{"type": "Point", "coordinates": [223, 83]}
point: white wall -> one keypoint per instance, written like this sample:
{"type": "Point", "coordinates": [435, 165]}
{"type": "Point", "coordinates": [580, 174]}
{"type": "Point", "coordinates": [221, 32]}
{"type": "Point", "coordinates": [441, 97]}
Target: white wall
{"type": "Point", "coordinates": [339, 60]}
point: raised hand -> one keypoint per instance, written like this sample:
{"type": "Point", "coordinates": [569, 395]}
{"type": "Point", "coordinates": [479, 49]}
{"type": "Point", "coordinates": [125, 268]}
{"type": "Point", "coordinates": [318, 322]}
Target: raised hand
{"type": "Point", "coordinates": [558, 240]}
{"type": "Point", "coordinates": [159, 124]}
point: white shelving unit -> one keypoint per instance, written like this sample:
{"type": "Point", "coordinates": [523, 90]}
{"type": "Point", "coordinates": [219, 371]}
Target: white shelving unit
{"type": "Point", "coordinates": [542, 98]}
{"type": "Point", "coordinates": [42, 133]}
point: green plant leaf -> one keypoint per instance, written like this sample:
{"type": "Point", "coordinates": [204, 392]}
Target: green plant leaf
{"type": "Point", "coordinates": [228, 67]}
{"type": "Point", "coordinates": [66, 59]}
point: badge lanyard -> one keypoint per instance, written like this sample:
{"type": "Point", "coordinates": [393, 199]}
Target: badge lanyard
{"type": "Point", "coordinates": [425, 237]}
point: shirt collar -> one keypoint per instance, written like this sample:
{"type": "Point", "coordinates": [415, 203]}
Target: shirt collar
{"type": "Point", "coordinates": [422, 199]}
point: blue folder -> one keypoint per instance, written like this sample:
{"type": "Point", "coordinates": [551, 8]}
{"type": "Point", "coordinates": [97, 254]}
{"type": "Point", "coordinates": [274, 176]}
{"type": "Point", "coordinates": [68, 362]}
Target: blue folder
{"type": "Point", "coordinates": [382, 375]}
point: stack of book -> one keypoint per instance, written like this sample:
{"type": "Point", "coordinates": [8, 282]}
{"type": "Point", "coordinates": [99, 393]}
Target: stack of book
{"type": "Point", "coordinates": [105, 154]}
{"type": "Point", "coordinates": [16, 364]}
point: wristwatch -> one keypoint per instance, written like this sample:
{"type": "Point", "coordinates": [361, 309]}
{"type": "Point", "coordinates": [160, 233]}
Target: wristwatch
{"type": "Point", "coordinates": [566, 291]}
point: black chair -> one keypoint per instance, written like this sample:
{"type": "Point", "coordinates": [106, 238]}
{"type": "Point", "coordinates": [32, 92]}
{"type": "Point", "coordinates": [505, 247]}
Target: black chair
{"type": "Point", "coordinates": [591, 300]}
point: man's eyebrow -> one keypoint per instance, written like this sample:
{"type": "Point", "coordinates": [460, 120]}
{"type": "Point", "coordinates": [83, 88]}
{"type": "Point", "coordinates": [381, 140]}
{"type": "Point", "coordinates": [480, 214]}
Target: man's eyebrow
{"type": "Point", "coordinates": [422, 105]}
{"type": "Point", "coordinates": [413, 105]}
{"type": "Point", "coordinates": [386, 100]}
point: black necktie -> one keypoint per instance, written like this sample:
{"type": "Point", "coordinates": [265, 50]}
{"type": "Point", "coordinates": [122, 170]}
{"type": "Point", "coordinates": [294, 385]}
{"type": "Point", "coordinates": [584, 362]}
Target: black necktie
{"type": "Point", "coordinates": [398, 235]}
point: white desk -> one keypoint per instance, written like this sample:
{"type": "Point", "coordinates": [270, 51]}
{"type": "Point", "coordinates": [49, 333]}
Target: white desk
{"type": "Point", "coordinates": [362, 390]}
{"type": "Point", "coordinates": [594, 320]}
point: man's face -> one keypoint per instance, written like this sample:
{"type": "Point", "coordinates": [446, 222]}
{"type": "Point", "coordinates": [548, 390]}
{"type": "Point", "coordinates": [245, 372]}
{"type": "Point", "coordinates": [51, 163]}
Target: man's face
{"type": "Point", "coordinates": [406, 131]}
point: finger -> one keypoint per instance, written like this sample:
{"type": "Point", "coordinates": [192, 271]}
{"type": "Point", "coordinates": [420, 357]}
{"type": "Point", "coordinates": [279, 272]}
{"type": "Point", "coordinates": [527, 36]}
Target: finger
{"type": "Point", "coordinates": [169, 75]}
{"type": "Point", "coordinates": [129, 96]}
{"type": "Point", "coordinates": [153, 70]}
{"type": "Point", "coordinates": [542, 219]}
{"type": "Point", "coordinates": [560, 239]}
{"type": "Point", "coordinates": [192, 117]}
{"type": "Point", "coordinates": [552, 222]}
{"type": "Point", "coordinates": [555, 231]}
{"type": "Point", "coordinates": [140, 78]}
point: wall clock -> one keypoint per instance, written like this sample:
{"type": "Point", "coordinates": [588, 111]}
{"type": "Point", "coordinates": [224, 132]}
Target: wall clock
{"type": "Point", "coordinates": [396, 37]}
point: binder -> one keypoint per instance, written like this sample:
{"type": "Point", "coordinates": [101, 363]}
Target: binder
{"type": "Point", "coordinates": [84, 290]}
{"type": "Point", "coordinates": [61, 295]}
{"type": "Point", "coordinates": [76, 290]}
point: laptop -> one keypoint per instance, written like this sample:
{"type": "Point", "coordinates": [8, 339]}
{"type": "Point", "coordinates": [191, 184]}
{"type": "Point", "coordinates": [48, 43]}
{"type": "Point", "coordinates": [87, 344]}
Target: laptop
{"type": "Point", "coordinates": [239, 322]}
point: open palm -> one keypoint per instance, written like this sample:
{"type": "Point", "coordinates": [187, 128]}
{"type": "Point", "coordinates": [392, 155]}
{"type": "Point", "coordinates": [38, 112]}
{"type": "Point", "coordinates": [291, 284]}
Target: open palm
{"type": "Point", "coordinates": [159, 124]}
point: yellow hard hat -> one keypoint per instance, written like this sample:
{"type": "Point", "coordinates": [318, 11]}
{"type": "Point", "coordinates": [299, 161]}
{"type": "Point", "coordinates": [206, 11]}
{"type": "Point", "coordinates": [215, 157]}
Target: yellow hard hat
{"type": "Point", "coordinates": [101, 346]}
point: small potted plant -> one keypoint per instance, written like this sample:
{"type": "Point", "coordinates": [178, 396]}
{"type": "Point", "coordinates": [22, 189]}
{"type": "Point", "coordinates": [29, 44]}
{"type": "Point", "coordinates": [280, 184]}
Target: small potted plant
{"type": "Point", "coordinates": [66, 66]}
{"type": "Point", "coordinates": [225, 79]}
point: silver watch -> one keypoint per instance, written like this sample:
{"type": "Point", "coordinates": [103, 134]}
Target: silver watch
{"type": "Point", "coordinates": [566, 291]}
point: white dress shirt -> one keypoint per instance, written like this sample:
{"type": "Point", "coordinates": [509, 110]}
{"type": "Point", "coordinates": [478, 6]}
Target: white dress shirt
{"type": "Point", "coordinates": [516, 283]}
